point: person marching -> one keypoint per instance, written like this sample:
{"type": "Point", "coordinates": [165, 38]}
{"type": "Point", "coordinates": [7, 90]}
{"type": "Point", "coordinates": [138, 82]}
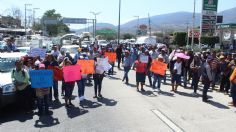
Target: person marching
{"type": "Point", "coordinates": [207, 77]}
{"type": "Point", "coordinates": [157, 77]}
{"type": "Point", "coordinates": [140, 74]}
{"type": "Point", "coordinates": [195, 67]}
{"type": "Point", "coordinates": [127, 65]}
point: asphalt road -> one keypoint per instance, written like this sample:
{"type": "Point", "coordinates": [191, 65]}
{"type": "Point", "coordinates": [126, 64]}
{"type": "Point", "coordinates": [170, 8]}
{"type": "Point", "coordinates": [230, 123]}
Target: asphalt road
{"type": "Point", "coordinates": [126, 110]}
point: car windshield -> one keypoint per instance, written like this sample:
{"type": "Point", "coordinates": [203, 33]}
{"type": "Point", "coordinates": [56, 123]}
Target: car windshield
{"type": "Point", "coordinates": [72, 50]}
{"type": "Point", "coordinates": [103, 42]}
{"type": "Point", "coordinates": [24, 50]}
{"type": "Point", "coordinates": [7, 64]}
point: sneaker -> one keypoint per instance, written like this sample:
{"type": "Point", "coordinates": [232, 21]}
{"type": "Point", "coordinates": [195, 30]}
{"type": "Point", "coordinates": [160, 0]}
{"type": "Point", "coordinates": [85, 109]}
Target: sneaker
{"type": "Point", "coordinates": [100, 95]}
{"type": "Point", "coordinates": [95, 96]}
{"type": "Point", "coordinates": [142, 90]}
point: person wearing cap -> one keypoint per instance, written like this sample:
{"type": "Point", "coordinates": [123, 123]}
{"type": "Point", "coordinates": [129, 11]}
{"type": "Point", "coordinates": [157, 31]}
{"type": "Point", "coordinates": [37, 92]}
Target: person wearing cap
{"type": "Point", "coordinates": [207, 77]}
{"type": "Point", "coordinates": [195, 67]}
{"type": "Point", "coordinates": [77, 55]}
{"type": "Point", "coordinates": [225, 75]}
{"type": "Point", "coordinates": [42, 95]}
{"type": "Point", "coordinates": [127, 65]}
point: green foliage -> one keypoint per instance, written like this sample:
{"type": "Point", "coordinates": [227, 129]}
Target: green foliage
{"type": "Point", "coordinates": [180, 38]}
{"type": "Point", "coordinates": [127, 36]}
{"type": "Point", "coordinates": [54, 30]}
{"type": "Point", "coordinates": [209, 40]}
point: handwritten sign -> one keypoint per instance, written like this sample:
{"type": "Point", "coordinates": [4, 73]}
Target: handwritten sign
{"type": "Point", "coordinates": [37, 52]}
{"type": "Point", "coordinates": [103, 64]}
{"type": "Point", "coordinates": [87, 66]}
{"type": "Point", "coordinates": [57, 73]}
{"type": "Point", "coordinates": [41, 78]}
{"type": "Point", "coordinates": [72, 73]}
{"type": "Point", "coordinates": [111, 56]}
{"type": "Point", "coordinates": [144, 58]}
{"type": "Point", "coordinates": [158, 67]}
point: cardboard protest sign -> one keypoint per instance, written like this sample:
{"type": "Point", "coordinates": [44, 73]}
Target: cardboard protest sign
{"type": "Point", "coordinates": [35, 52]}
{"type": "Point", "coordinates": [57, 73]}
{"type": "Point", "coordinates": [111, 56]}
{"type": "Point", "coordinates": [144, 58]}
{"type": "Point", "coordinates": [41, 78]}
{"type": "Point", "coordinates": [103, 64]}
{"type": "Point", "coordinates": [158, 67]}
{"type": "Point", "coordinates": [72, 73]}
{"type": "Point", "coordinates": [87, 66]}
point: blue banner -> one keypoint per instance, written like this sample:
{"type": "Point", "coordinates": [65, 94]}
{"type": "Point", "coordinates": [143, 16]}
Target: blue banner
{"type": "Point", "coordinates": [41, 78]}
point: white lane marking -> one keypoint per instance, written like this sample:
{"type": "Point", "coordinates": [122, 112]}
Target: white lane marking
{"type": "Point", "coordinates": [167, 121]}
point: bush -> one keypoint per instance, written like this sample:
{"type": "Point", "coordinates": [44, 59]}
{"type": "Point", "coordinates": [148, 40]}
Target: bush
{"type": "Point", "coordinates": [210, 40]}
{"type": "Point", "coordinates": [180, 38]}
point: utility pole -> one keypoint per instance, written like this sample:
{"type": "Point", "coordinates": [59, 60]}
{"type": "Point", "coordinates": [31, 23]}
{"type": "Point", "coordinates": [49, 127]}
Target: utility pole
{"type": "Point", "coordinates": [149, 22]}
{"type": "Point", "coordinates": [26, 15]}
{"type": "Point", "coordinates": [137, 25]}
{"type": "Point", "coordinates": [34, 10]}
{"type": "Point", "coordinates": [118, 36]}
{"type": "Point", "coordinates": [187, 33]}
{"type": "Point", "coordinates": [95, 16]}
{"type": "Point", "coordinates": [192, 44]}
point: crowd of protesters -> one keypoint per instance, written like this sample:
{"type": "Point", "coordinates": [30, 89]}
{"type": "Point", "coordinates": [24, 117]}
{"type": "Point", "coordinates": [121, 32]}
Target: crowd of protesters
{"type": "Point", "coordinates": [209, 68]}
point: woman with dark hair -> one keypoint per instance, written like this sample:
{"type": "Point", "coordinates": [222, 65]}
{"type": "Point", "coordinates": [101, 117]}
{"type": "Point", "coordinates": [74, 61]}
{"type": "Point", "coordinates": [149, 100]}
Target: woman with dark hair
{"type": "Point", "coordinates": [140, 73]}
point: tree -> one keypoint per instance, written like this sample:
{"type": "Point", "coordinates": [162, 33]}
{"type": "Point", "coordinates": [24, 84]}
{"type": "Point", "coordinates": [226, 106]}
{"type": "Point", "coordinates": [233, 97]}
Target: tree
{"type": "Point", "coordinates": [180, 38]}
{"type": "Point", "coordinates": [55, 29]}
{"type": "Point", "coordinates": [210, 40]}
{"type": "Point", "coordinates": [128, 36]}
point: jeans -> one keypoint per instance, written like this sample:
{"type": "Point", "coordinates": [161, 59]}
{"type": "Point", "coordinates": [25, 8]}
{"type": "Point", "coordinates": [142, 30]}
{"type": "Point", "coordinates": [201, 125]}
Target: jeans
{"type": "Point", "coordinates": [81, 87]}
{"type": "Point", "coordinates": [55, 90]}
{"type": "Point", "coordinates": [119, 61]}
{"type": "Point", "coordinates": [225, 84]}
{"type": "Point", "coordinates": [157, 79]}
{"type": "Point", "coordinates": [25, 98]}
{"type": "Point", "coordinates": [42, 102]}
{"type": "Point", "coordinates": [195, 82]}
{"type": "Point", "coordinates": [233, 93]}
{"type": "Point", "coordinates": [185, 71]}
{"type": "Point", "coordinates": [69, 87]}
{"type": "Point", "coordinates": [97, 83]}
{"type": "Point", "coordinates": [149, 74]}
{"type": "Point", "coordinates": [111, 71]}
{"type": "Point", "coordinates": [204, 92]}
{"type": "Point", "coordinates": [126, 71]}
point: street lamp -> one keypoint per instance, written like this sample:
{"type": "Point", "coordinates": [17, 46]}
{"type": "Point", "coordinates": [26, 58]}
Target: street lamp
{"type": "Point", "coordinates": [95, 16]}
{"type": "Point", "coordinates": [137, 24]}
{"type": "Point", "coordinates": [192, 44]}
{"type": "Point", "coordinates": [34, 9]}
{"type": "Point", "coordinates": [118, 37]}
{"type": "Point", "coordinates": [25, 15]}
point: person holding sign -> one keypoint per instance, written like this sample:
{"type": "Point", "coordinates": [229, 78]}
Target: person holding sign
{"type": "Point", "coordinates": [157, 77]}
{"type": "Point", "coordinates": [140, 73]}
{"type": "Point", "coordinates": [42, 96]}
{"type": "Point", "coordinates": [69, 86]}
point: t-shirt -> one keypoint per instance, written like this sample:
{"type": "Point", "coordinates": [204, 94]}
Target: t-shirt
{"type": "Point", "coordinates": [140, 67]}
{"type": "Point", "coordinates": [233, 77]}
{"type": "Point", "coordinates": [178, 67]}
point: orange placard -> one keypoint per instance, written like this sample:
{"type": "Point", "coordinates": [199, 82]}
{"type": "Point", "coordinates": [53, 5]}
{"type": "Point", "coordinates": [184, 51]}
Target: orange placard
{"type": "Point", "coordinates": [111, 56]}
{"type": "Point", "coordinates": [158, 67]}
{"type": "Point", "coordinates": [87, 66]}
{"type": "Point", "coordinates": [57, 73]}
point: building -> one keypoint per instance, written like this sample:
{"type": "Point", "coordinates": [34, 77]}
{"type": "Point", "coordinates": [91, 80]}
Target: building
{"type": "Point", "coordinates": [227, 33]}
{"type": "Point", "coordinates": [10, 22]}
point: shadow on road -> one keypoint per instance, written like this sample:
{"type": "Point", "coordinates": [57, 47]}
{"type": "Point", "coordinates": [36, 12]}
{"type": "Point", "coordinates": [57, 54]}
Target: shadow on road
{"type": "Point", "coordinates": [113, 78]}
{"type": "Point", "coordinates": [167, 94]}
{"type": "Point", "coordinates": [46, 121]}
{"type": "Point", "coordinates": [217, 104]}
{"type": "Point", "coordinates": [188, 94]}
{"type": "Point", "coordinates": [75, 111]}
{"type": "Point", "coordinates": [89, 104]}
{"type": "Point", "coordinates": [107, 102]}
{"type": "Point", "coordinates": [148, 93]}
{"type": "Point", "coordinates": [132, 85]}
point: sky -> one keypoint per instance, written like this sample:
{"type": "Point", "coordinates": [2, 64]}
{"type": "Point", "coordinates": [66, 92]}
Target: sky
{"type": "Point", "coordinates": [109, 8]}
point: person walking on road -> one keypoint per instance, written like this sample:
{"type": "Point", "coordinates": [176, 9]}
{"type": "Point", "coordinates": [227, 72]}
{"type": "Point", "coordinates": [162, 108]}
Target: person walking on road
{"type": "Point", "coordinates": [233, 88]}
{"type": "Point", "coordinates": [195, 67]}
{"type": "Point", "coordinates": [127, 65]}
{"type": "Point", "coordinates": [140, 74]}
{"type": "Point", "coordinates": [176, 77]}
{"type": "Point", "coordinates": [207, 77]}
{"type": "Point", "coordinates": [119, 55]}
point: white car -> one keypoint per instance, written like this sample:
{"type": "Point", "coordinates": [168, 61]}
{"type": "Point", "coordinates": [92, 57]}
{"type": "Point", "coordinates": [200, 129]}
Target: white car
{"type": "Point", "coordinates": [85, 44]}
{"type": "Point", "coordinates": [102, 42]}
{"type": "Point", "coordinates": [72, 49]}
{"type": "Point", "coordinates": [23, 49]}
{"type": "Point", "coordinates": [7, 89]}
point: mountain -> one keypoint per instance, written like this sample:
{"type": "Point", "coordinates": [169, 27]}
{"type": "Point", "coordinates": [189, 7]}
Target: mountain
{"type": "Point", "coordinates": [99, 26]}
{"type": "Point", "coordinates": [177, 21]}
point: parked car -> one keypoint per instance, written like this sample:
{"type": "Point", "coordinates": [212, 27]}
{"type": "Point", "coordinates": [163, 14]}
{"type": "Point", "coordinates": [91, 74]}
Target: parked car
{"type": "Point", "coordinates": [23, 49]}
{"type": "Point", "coordinates": [7, 88]}
{"type": "Point", "coordinates": [102, 42]}
{"type": "Point", "coordinates": [72, 49]}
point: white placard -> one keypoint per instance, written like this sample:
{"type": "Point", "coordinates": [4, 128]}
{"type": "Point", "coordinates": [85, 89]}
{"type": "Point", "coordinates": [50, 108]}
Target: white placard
{"type": "Point", "coordinates": [144, 59]}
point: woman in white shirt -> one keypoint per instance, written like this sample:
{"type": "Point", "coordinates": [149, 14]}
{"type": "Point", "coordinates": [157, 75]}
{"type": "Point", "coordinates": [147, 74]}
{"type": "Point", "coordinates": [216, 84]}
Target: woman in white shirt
{"type": "Point", "coordinates": [176, 77]}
